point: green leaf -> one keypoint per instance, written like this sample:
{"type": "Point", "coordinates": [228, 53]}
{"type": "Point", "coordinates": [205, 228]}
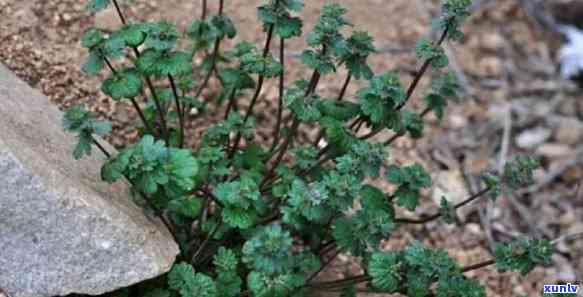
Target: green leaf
{"type": "Point", "coordinates": [443, 88]}
{"type": "Point", "coordinates": [176, 64]}
{"type": "Point", "coordinates": [289, 27]}
{"type": "Point", "coordinates": [223, 26]}
{"type": "Point", "coordinates": [133, 34]}
{"type": "Point", "coordinates": [520, 173]}
{"type": "Point", "coordinates": [253, 62]}
{"type": "Point", "coordinates": [239, 217]}
{"type": "Point", "coordinates": [293, 5]}
{"type": "Point", "coordinates": [181, 167]}
{"type": "Point", "coordinates": [381, 98]}
{"type": "Point", "coordinates": [225, 260]}
{"type": "Point", "coordinates": [363, 231]}
{"type": "Point", "coordinates": [98, 5]}
{"type": "Point", "coordinates": [410, 180]}
{"type": "Point", "coordinates": [320, 62]}
{"type": "Point", "coordinates": [265, 285]}
{"type": "Point", "coordinates": [94, 63]}
{"type": "Point", "coordinates": [123, 84]}
{"type": "Point", "coordinates": [276, 14]}
{"type": "Point", "coordinates": [200, 32]}
{"type": "Point", "coordinates": [412, 123]}
{"type": "Point", "coordinates": [161, 36]}
{"type": "Point", "coordinates": [414, 176]}
{"type": "Point", "coordinates": [385, 270]}
{"type": "Point", "coordinates": [359, 47]}
{"type": "Point", "coordinates": [523, 255]}
{"type": "Point", "coordinates": [113, 47]}
{"type": "Point", "coordinates": [407, 198]}
{"type": "Point", "coordinates": [183, 279]}
{"type": "Point", "coordinates": [309, 201]}
{"type": "Point", "coordinates": [92, 37]}
{"type": "Point", "coordinates": [180, 276]}
{"type": "Point", "coordinates": [447, 211]}
{"type": "Point", "coordinates": [453, 14]}
{"type": "Point", "coordinates": [339, 110]}
{"type": "Point", "coordinates": [83, 147]}
{"type": "Point", "coordinates": [228, 284]}
{"type": "Point", "coordinates": [152, 166]}
{"type": "Point", "coordinates": [426, 50]}
{"type": "Point", "coordinates": [84, 124]}
{"type": "Point", "coordinates": [459, 286]}
{"type": "Point", "coordinates": [163, 63]}
{"type": "Point", "coordinates": [189, 208]}
{"type": "Point", "coordinates": [494, 184]}
{"type": "Point", "coordinates": [269, 250]}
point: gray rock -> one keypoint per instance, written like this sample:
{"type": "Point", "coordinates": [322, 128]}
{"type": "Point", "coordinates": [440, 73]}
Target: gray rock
{"type": "Point", "coordinates": [62, 230]}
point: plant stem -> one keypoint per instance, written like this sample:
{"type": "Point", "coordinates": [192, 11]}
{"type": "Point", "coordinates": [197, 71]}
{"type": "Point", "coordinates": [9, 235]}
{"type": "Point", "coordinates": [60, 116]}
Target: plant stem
{"type": "Point", "coordinates": [365, 278]}
{"type": "Point", "coordinates": [133, 100]}
{"type": "Point", "coordinates": [295, 125]}
{"type": "Point", "coordinates": [160, 110]}
{"type": "Point", "coordinates": [410, 90]}
{"type": "Point", "coordinates": [420, 73]}
{"type": "Point", "coordinates": [344, 87]}
{"type": "Point", "coordinates": [277, 132]}
{"type": "Point", "coordinates": [158, 213]}
{"type": "Point", "coordinates": [109, 65]}
{"type": "Point", "coordinates": [424, 113]}
{"type": "Point", "coordinates": [120, 14]}
{"type": "Point", "coordinates": [204, 9]}
{"type": "Point", "coordinates": [479, 265]}
{"type": "Point", "coordinates": [439, 214]}
{"type": "Point", "coordinates": [148, 81]}
{"type": "Point", "coordinates": [205, 242]}
{"type": "Point", "coordinates": [323, 266]}
{"type": "Point", "coordinates": [231, 103]}
{"type": "Point", "coordinates": [178, 110]}
{"type": "Point", "coordinates": [340, 98]}
{"type": "Point", "coordinates": [258, 89]}
{"type": "Point", "coordinates": [101, 148]}
{"type": "Point", "coordinates": [215, 54]}
{"type": "Point", "coordinates": [341, 282]}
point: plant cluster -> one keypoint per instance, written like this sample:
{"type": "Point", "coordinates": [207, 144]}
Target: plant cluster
{"type": "Point", "coordinates": [265, 219]}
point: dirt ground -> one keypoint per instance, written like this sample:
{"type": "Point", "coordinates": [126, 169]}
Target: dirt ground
{"type": "Point", "coordinates": [514, 103]}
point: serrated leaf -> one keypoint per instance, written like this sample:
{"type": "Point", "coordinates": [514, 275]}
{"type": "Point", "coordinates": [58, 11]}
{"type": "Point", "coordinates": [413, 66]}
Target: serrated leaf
{"type": "Point", "coordinates": [160, 64]}
{"type": "Point", "coordinates": [225, 260]}
{"type": "Point", "coordinates": [133, 34]}
{"type": "Point", "coordinates": [189, 208]}
{"type": "Point", "coordinates": [523, 255]}
{"type": "Point", "coordinates": [94, 63]}
{"type": "Point", "coordinates": [384, 268]}
{"type": "Point", "coordinates": [83, 123]}
{"type": "Point", "coordinates": [161, 36]}
{"type": "Point", "coordinates": [123, 84]}
{"type": "Point", "coordinates": [183, 279]}
{"type": "Point", "coordinates": [92, 37]}
{"type": "Point", "coordinates": [239, 217]}
{"type": "Point", "coordinates": [224, 26]}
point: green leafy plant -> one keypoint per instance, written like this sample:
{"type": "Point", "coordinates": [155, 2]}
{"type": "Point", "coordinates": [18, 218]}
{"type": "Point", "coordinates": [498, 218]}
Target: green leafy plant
{"type": "Point", "coordinates": [266, 218]}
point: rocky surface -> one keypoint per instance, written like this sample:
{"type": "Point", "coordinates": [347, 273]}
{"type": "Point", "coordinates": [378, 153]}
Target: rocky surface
{"type": "Point", "coordinates": [62, 230]}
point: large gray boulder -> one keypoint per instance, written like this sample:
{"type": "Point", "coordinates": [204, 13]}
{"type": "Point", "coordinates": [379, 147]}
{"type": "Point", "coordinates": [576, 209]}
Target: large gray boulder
{"type": "Point", "coordinates": [62, 230]}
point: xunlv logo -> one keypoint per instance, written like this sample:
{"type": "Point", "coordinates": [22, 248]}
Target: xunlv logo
{"type": "Point", "coordinates": [561, 289]}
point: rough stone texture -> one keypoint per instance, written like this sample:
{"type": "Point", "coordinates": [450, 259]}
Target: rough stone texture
{"type": "Point", "coordinates": [62, 230]}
